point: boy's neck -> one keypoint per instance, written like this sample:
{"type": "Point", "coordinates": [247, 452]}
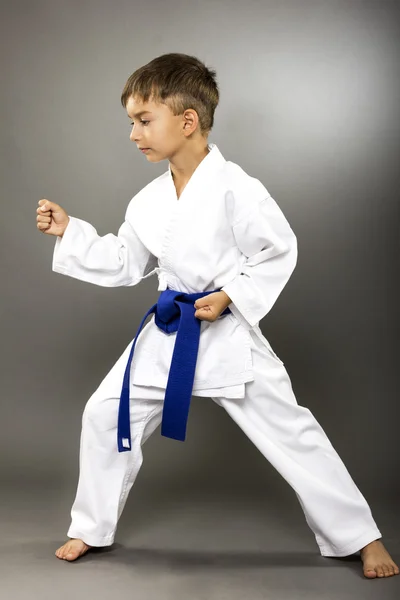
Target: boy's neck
{"type": "Point", "coordinates": [184, 165]}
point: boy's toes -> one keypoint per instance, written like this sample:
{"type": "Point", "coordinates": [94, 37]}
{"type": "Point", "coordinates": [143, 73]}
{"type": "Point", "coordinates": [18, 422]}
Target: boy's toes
{"type": "Point", "coordinates": [71, 555]}
{"type": "Point", "coordinates": [370, 573]}
{"type": "Point", "coordinates": [377, 562]}
{"type": "Point", "coordinates": [72, 550]}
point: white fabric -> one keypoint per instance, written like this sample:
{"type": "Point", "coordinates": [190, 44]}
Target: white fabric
{"type": "Point", "coordinates": [286, 433]}
{"type": "Point", "coordinates": [225, 231]}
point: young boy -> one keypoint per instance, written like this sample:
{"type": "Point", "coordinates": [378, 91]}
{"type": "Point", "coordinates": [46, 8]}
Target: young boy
{"type": "Point", "coordinates": [223, 252]}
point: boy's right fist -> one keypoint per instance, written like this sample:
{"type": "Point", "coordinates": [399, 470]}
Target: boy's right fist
{"type": "Point", "coordinates": [51, 218]}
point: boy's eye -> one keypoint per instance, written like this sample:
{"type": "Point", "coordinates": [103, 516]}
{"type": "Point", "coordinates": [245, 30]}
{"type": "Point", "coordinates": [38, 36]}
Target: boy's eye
{"type": "Point", "coordinates": [144, 122]}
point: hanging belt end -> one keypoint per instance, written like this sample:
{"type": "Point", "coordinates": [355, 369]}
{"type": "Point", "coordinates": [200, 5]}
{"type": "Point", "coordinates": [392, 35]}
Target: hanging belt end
{"type": "Point", "coordinates": [173, 435]}
{"type": "Point", "coordinates": [124, 444]}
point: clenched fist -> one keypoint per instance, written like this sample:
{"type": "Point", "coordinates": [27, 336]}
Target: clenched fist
{"type": "Point", "coordinates": [210, 307]}
{"type": "Point", "coordinates": [51, 218]}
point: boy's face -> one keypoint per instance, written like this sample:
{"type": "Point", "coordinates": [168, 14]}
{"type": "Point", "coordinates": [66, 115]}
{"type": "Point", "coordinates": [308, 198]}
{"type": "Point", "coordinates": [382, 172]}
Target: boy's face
{"type": "Point", "coordinates": [156, 129]}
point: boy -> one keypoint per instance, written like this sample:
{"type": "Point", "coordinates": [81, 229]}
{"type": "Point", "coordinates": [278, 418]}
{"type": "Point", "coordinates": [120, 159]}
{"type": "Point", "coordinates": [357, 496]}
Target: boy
{"type": "Point", "coordinates": [223, 251]}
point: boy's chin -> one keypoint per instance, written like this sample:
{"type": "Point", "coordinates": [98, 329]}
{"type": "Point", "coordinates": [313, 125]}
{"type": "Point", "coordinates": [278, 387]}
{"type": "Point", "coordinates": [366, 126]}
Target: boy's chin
{"type": "Point", "coordinates": [154, 157]}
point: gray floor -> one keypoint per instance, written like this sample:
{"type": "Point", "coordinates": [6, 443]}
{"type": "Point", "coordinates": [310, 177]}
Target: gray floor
{"type": "Point", "coordinates": [176, 545]}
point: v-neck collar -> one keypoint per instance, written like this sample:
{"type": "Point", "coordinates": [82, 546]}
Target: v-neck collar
{"type": "Point", "coordinates": [211, 163]}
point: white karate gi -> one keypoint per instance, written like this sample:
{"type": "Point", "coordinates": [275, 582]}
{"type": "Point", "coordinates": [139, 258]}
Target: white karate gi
{"type": "Point", "coordinates": [225, 232]}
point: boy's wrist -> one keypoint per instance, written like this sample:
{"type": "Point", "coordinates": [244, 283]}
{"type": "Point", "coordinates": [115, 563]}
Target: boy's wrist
{"type": "Point", "coordinates": [227, 300]}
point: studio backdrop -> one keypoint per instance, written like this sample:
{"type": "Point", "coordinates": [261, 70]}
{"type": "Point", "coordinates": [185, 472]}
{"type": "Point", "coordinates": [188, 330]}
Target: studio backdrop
{"type": "Point", "coordinates": [309, 105]}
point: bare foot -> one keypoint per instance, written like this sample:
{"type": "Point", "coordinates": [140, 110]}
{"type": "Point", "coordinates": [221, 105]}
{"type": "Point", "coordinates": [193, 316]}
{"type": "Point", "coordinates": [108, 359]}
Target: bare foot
{"type": "Point", "coordinates": [377, 561]}
{"type": "Point", "coordinates": [72, 549]}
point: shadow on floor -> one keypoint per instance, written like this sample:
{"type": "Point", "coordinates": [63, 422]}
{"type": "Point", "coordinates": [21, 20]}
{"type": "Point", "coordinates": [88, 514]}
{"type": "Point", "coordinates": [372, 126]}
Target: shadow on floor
{"type": "Point", "coordinates": [176, 559]}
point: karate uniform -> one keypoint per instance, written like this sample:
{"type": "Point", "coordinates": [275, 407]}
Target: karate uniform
{"type": "Point", "coordinates": [225, 232]}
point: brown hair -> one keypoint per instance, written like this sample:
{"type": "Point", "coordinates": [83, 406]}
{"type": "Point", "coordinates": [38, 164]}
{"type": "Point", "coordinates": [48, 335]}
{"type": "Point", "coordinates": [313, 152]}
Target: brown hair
{"type": "Point", "coordinates": [178, 80]}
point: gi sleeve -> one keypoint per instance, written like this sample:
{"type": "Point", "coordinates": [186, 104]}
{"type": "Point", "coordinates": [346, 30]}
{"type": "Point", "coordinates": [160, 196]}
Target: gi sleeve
{"type": "Point", "coordinates": [109, 260]}
{"type": "Point", "coordinates": [265, 238]}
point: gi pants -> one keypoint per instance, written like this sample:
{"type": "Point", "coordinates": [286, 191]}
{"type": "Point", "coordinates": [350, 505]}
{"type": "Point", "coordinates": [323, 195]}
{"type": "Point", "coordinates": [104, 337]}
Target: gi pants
{"type": "Point", "coordinates": [286, 433]}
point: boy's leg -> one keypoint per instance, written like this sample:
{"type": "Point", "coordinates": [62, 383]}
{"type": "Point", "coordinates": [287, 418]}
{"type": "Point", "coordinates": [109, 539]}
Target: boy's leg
{"type": "Point", "coordinates": [106, 475]}
{"type": "Point", "coordinates": [290, 437]}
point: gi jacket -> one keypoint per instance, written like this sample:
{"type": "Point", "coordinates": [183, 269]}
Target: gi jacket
{"type": "Point", "coordinates": [225, 231]}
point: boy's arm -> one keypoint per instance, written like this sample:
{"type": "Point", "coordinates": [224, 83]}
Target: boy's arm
{"type": "Point", "coordinates": [109, 260]}
{"type": "Point", "coordinates": [266, 239]}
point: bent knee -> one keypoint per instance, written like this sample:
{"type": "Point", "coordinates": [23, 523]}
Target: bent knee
{"type": "Point", "coordinates": [101, 412]}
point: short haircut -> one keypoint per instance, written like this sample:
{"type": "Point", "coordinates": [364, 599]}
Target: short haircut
{"type": "Point", "coordinates": [180, 81]}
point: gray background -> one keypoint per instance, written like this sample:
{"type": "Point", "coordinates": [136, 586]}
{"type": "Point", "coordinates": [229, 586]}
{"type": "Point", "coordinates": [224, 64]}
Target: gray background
{"type": "Point", "coordinates": [309, 105]}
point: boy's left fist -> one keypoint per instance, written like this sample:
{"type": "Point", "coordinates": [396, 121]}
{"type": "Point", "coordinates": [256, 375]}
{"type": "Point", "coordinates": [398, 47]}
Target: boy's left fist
{"type": "Point", "coordinates": [210, 307]}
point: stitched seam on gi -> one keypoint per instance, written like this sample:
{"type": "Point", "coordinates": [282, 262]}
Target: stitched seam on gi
{"type": "Point", "coordinates": [65, 271]}
{"type": "Point", "coordinates": [240, 218]}
{"type": "Point", "coordinates": [205, 384]}
{"type": "Point", "coordinates": [331, 546]}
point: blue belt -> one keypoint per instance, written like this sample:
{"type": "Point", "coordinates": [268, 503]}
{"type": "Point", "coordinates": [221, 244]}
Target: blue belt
{"type": "Point", "coordinates": [174, 311]}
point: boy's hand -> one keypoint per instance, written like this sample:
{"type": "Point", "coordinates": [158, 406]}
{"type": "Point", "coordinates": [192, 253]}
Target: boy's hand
{"type": "Point", "coordinates": [210, 307]}
{"type": "Point", "coordinates": [51, 218]}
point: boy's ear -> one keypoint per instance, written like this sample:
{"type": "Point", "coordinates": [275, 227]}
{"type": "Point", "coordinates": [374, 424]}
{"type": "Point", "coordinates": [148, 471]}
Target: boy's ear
{"type": "Point", "coordinates": [191, 119]}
